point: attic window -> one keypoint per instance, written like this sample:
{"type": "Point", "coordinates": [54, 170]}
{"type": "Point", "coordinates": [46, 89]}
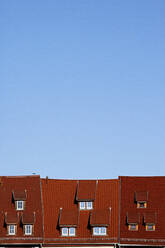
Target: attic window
{"type": "Point", "coordinates": [133, 227]}
{"type": "Point", "coordinates": [86, 205]}
{"type": "Point", "coordinates": [28, 221]}
{"type": "Point", "coordinates": [141, 198]}
{"type": "Point", "coordinates": [19, 197]}
{"type": "Point", "coordinates": [99, 231]}
{"type": "Point", "coordinates": [150, 221]}
{"type": "Point", "coordinates": [19, 205]}
{"type": "Point", "coordinates": [11, 229]}
{"type": "Point", "coordinates": [86, 191]}
{"type": "Point", "coordinates": [99, 221]}
{"type": "Point", "coordinates": [68, 221]}
{"type": "Point", "coordinates": [11, 220]}
{"type": "Point", "coordinates": [28, 229]}
{"type": "Point", "coordinates": [150, 227]}
{"type": "Point", "coordinates": [132, 221]}
{"type": "Point", "coordinates": [68, 231]}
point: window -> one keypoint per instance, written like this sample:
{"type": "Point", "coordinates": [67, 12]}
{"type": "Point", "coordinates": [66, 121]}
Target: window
{"type": "Point", "coordinates": [28, 229]}
{"type": "Point", "coordinates": [82, 205]}
{"type": "Point", "coordinates": [68, 231]}
{"type": "Point", "coordinates": [141, 204]}
{"type": "Point", "coordinates": [71, 231]}
{"type": "Point", "coordinates": [11, 230]}
{"type": "Point", "coordinates": [19, 205]}
{"type": "Point", "coordinates": [89, 205]}
{"type": "Point", "coordinates": [133, 227]}
{"type": "Point", "coordinates": [99, 231]}
{"type": "Point", "coordinates": [86, 205]}
{"type": "Point", "coordinates": [150, 227]}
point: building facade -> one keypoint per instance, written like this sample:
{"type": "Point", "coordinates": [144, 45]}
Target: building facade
{"type": "Point", "coordinates": [123, 212]}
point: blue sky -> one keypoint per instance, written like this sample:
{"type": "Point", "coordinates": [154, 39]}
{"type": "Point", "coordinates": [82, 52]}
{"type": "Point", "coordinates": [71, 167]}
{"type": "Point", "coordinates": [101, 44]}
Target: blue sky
{"type": "Point", "coordinates": [82, 88]}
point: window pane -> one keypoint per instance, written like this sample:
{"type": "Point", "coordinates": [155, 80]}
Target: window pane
{"type": "Point", "coordinates": [11, 229]}
{"type": "Point", "coordinates": [133, 227]}
{"type": "Point", "coordinates": [82, 205]}
{"type": "Point", "coordinates": [89, 205]}
{"type": "Point", "coordinates": [103, 230]}
{"type": "Point", "coordinates": [96, 230]}
{"type": "Point", "coordinates": [28, 229]}
{"type": "Point", "coordinates": [65, 231]}
{"type": "Point", "coordinates": [20, 205]}
{"type": "Point", "coordinates": [71, 231]}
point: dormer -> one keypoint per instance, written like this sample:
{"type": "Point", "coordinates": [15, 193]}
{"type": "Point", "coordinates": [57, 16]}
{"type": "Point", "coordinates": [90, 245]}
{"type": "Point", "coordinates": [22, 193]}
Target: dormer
{"type": "Point", "coordinates": [19, 197]}
{"type": "Point", "coordinates": [11, 221]}
{"type": "Point", "coordinates": [99, 221]}
{"type": "Point", "coordinates": [86, 193]}
{"type": "Point", "coordinates": [150, 221]}
{"type": "Point", "coordinates": [28, 220]}
{"type": "Point", "coordinates": [133, 220]}
{"type": "Point", "coordinates": [68, 222]}
{"type": "Point", "coordinates": [141, 198]}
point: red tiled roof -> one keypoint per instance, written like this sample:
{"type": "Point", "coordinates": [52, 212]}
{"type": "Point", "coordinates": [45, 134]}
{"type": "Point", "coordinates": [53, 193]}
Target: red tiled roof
{"type": "Point", "coordinates": [28, 218]}
{"type": "Point", "coordinates": [141, 196]}
{"type": "Point", "coordinates": [68, 217]}
{"type": "Point", "coordinates": [100, 217]}
{"type": "Point", "coordinates": [19, 195]}
{"type": "Point", "coordinates": [62, 194]}
{"type": "Point", "coordinates": [155, 186]}
{"type": "Point", "coordinates": [32, 204]}
{"type": "Point", "coordinates": [133, 217]}
{"type": "Point", "coordinates": [150, 217]}
{"type": "Point", "coordinates": [11, 218]}
{"type": "Point", "coordinates": [86, 190]}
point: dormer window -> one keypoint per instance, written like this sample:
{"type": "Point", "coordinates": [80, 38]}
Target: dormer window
{"type": "Point", "coordinates": [28, 221]}
{"type": "Point", "coordinates": [99, 221]}
{"type": "Point", "coordinates": [68, 221]}
{"type": "Point", "coordinates": [85, 196]}
{"type": "Point", "coordinates": [28, 229]}
{"type": "Point", "coordinates": [86, 205]}
{"type": "Point", "coordinates": [68, 231]}
{"type": "Point", "coordinates": [19, 198]}
{"type": "Point", "coordinates": [11, 229]}
{"type": "Point", "coordinates": [11, 221]}
{"type": "Point", "coordinates": [150, 221]}
{"type": "Point", "coordinates": [133, 227]}
{"type": "Point", "coordinates": [150, 227]}
{"type": "Point", "coordinates": [99, 231]}
{"type": "Point", "coordinates": [141, 198]}
{"type": "Point", "coordinates": [133, 221]}
{"type": "Point", "coordinates": [19, 205]}
{"type": "Point", "coordinates": [141, 204]}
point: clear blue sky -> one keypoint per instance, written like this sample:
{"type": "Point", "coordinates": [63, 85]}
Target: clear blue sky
{"type": "Point", "coordinates": [82, 88]}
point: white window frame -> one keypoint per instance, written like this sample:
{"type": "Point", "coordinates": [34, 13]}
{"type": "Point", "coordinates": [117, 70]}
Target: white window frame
{"type": "Point", "coordinates": [28, 229]}
{"type": "Point", "coordinates": [68, 233]}
{"type": "Point", "coordinates": [73, 229]}
{"type": "Point", "coordinates": [89, 205]}
{"type": "Point", "coordinates": [11, 229]}
{"type": "Point", "coordinates": [17, 205]}
{"type": "Point", "coordinates": [84, 205]}
{"type": "Point", "coordinates": [97, 231]}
